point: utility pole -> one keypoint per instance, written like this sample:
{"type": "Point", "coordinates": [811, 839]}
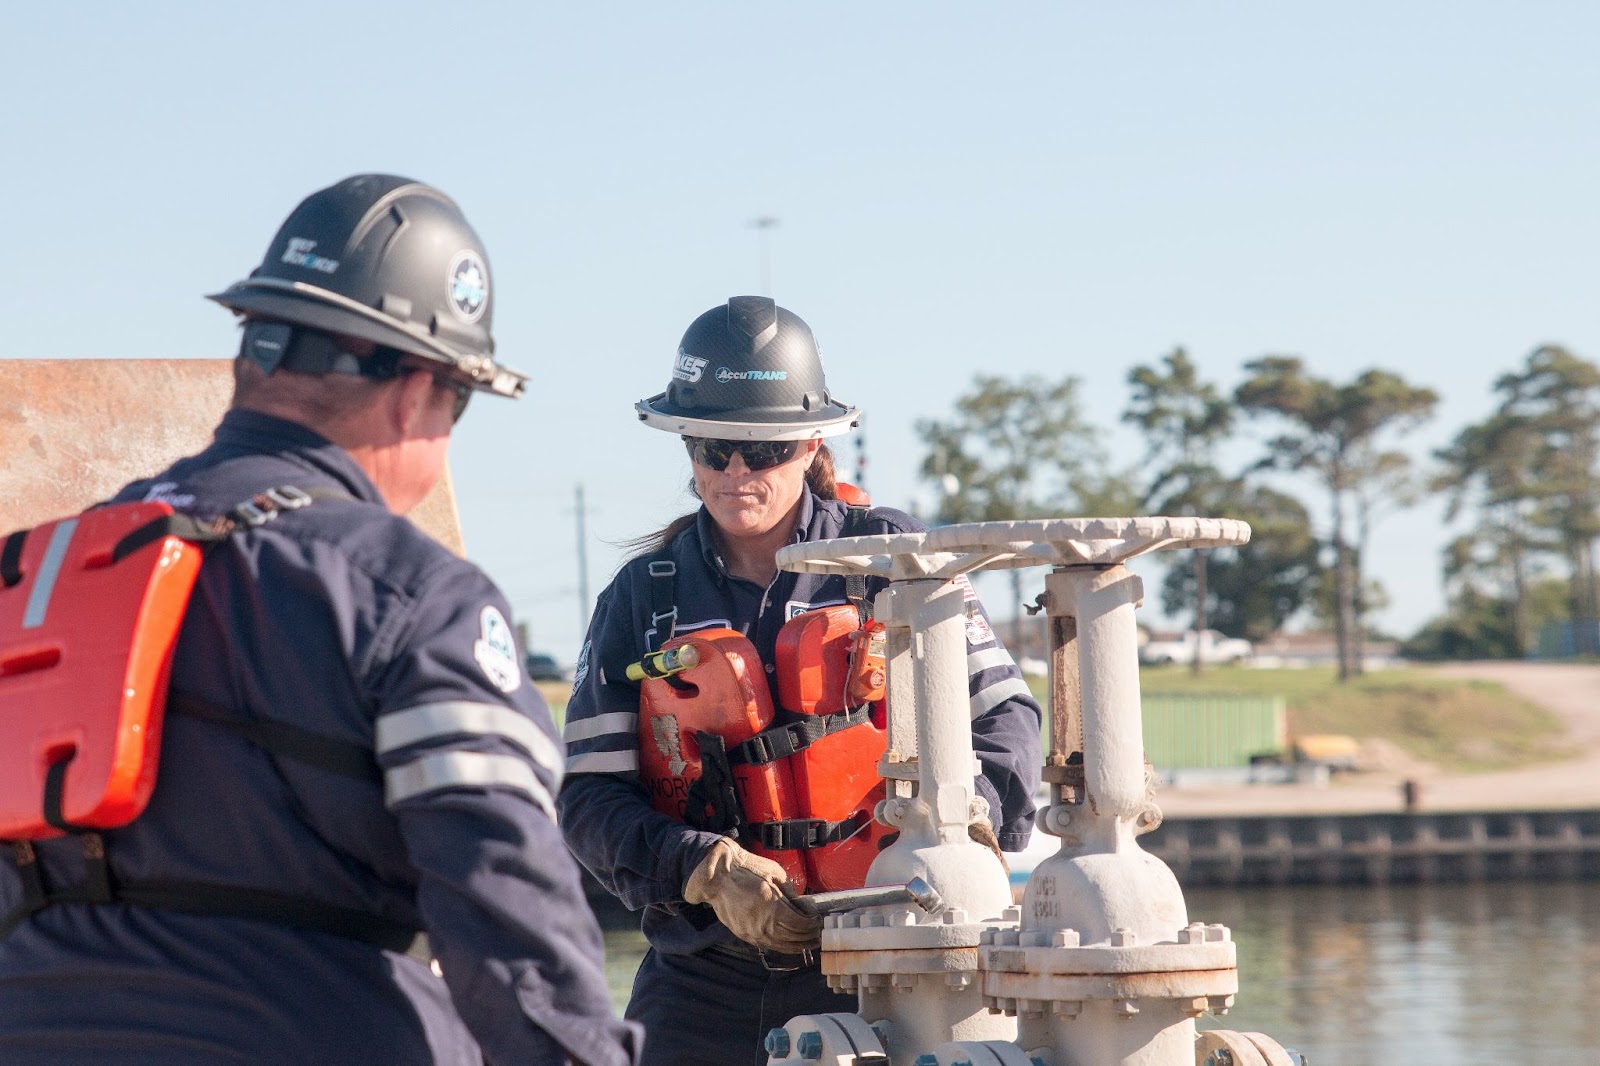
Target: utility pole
{"type": "Point", "coordinates": [583, 568]}
{"type": "Point", "coordinates": [762, 226]}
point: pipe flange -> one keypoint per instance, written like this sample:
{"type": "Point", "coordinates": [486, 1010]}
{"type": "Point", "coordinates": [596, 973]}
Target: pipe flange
{"type": "Point", "coordinates": [979, 1053]}
{"type": "Point", "coordinates": [1043, 951]}
{"type": "Point", "coordinates": [1226, 1047]}
{"type": "Point", "coordinates": [881, 943]}
{"type": "Point", "coordinates": [842, 1039]}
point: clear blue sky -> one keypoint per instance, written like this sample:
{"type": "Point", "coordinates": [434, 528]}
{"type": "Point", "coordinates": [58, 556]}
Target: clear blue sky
{"type": "Point", "coordinates": [1048, 188]}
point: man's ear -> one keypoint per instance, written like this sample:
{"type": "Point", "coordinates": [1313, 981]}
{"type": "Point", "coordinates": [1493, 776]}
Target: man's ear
{"type": "Point", "coordinates": [413, 393]}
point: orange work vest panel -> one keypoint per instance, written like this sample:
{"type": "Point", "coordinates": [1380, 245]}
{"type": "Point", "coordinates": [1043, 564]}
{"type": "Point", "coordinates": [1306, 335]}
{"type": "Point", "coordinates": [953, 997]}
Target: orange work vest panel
{"type": "Point", "coordinates": [86, 643]}
{"type": "Point", "coordinates": [725, 696]}
{"type": "Point", "coordinates": [835, 778]}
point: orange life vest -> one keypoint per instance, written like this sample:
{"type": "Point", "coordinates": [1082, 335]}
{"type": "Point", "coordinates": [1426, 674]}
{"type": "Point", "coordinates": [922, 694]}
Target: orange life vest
{"type": "Point", "coordinates": [90, 609]}
{"type": "Point", "coordinates": [799, 789]}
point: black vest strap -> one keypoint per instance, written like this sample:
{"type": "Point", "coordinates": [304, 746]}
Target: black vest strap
{"type": "Point", "coordinates": [782, 741]}
{"type": "Point", "coordinates": [256, 511]}
{"type": "Point", "coordinates": [336, 756]}
{"type": "Point", "coordinates": [11, 558]}
{"type": "Point", "coordinates": [713, 801]}
{"type": "Point", "coordinates": [663, 599]}
{"type": "Point", "coordinates": [806, 832]}
{"type": "Point", "coordinates": [855, 585]}
{"type": "Point", "coordinates": [223, 901]}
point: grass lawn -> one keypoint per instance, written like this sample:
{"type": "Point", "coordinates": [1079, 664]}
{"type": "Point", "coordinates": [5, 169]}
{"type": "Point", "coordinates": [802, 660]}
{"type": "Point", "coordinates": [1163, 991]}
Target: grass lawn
{"type": "Point", "coordinates": [1455, 724]}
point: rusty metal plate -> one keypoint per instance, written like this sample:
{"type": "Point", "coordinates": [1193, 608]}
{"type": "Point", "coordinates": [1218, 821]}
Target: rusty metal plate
{"type": "Point", "coordinates": [74, 431]}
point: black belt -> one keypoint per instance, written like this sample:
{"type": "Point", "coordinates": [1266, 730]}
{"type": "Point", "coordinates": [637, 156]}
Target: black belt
{"type": "Point", "coordinates": [775, 961]}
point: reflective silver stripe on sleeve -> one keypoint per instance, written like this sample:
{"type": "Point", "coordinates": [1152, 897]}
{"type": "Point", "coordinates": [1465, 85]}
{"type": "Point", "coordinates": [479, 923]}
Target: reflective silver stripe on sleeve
{"type": "Point", "coordinates": [430, 721]}
{"type": "Point", "coordinates": [456, 769]}
{"type": "Point", "coordinates": [49, 569]}
{"type": "Point", "coordinates": [998, 693]}
{"type": "Point", "coordinates": [603, 762]}
{"type": "Point", "coordinates": [620, 723]}
{"type": "Point", "coordinates": [983, 660]}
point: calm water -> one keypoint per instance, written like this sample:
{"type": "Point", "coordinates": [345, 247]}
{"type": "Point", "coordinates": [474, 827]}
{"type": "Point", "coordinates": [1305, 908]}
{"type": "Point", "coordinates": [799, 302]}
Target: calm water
{"type": "Point", "coordinates": [1443, 975]}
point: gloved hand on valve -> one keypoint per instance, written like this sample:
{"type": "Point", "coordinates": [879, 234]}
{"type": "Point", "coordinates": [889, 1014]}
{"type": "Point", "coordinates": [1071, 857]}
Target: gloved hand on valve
{"type": "Point", "coordinates": [747, 892]}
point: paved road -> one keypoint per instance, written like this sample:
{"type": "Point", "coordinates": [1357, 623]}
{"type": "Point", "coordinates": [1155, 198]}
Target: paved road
{"type": "Point", "coordinates": [1569, 690]}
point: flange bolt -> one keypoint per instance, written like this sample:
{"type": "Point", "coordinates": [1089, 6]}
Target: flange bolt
{"type": "Point", "coordinates": [778, 1043]}
{"type": "Point", "coordinates": [809, 1046]}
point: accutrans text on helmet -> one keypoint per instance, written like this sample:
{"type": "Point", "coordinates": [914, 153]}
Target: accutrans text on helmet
{"type": "Point", "coordinates": [724, 374]}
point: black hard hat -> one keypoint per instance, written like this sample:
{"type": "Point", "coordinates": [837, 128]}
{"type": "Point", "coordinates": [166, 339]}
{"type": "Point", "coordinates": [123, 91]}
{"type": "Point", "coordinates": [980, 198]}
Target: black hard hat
{"type": "Point", "coordinates": [749, 370]}
{"type": "Point", "coordinates": [387, 260]}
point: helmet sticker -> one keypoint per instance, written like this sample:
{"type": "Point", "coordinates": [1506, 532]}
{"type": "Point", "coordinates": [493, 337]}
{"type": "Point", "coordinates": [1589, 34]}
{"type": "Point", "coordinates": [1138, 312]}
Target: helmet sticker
{"type": "Point", "coordinates": [299, 253]}
{"type": "Point", "coordinates": [469, 286]}
{"type": "Point", "coordinates": [496, 651]}
{"type": "Point", "coordinates": [688, 367]}
{"type": "Point", "coordinates": [725, 375]}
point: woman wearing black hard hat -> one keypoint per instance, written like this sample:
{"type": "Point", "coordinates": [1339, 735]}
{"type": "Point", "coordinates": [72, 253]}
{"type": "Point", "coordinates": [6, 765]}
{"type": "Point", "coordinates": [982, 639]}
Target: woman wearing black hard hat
{"type": "Point", "coordinates": [731, 957]}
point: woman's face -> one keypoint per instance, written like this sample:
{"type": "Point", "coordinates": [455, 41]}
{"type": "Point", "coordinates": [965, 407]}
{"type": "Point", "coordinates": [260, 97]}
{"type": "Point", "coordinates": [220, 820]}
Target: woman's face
{"type": "Point", "coordinates": [746, 503]}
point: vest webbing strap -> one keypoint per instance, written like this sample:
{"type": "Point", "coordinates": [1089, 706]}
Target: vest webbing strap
{"type": "Point", "coordinates": [222, 901]}
{"type": "Point", "coordinates": [855, 585]}
{"type": "Point", "coordinates": [11, 558]}
{"type": "Point", "coordinates": [801, 833]}
{"type": "Point", "coordinates": [663, 599]}
{"type": "Point", "coordinates": [780, 742]}
{"type": "Point", "coordinates": [713, 800]}
{"type": "Point", "coordinates": [346, 758]}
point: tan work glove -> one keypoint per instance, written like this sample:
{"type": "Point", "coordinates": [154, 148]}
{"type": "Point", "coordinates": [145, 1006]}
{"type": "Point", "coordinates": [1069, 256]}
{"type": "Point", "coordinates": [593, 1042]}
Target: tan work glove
{"type": "Point", "coordinates": [981, 832]}
{"type": "Point", "coordinates": [746, 892]}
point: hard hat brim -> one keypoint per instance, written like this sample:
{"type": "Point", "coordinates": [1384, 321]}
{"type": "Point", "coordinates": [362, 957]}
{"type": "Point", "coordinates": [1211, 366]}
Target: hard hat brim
{"type": "Point", "coordinates": [834, 420]}
{"type": "Point", "coordinates": [307, 305]}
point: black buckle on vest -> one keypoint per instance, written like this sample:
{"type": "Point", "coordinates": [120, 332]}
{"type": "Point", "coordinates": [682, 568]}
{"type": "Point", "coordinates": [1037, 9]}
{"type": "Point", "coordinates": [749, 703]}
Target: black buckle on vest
{"type": "Point", "coordinates": [780, 742]}
{"type": "Point", "coordinates": [798, 834]}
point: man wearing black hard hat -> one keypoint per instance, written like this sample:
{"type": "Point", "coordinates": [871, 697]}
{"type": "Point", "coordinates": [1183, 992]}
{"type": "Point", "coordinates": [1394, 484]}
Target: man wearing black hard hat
{"type": "Point", "coordinates": [350, 854]}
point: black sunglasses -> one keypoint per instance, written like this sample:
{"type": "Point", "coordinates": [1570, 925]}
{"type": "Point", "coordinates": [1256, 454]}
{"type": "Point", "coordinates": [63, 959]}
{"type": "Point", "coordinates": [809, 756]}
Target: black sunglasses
{"type": "Point", "coordinates": [757, 454]}
{"type": "Point", "coordinates": [463, 396]}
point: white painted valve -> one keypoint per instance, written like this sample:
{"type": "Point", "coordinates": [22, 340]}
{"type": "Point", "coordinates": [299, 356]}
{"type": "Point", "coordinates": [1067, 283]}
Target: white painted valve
{"type": "Point", "coordinates": [1100, 966]}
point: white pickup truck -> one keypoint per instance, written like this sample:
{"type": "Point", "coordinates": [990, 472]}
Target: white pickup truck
{"type": "Point", "coordinates": [1214, 648]}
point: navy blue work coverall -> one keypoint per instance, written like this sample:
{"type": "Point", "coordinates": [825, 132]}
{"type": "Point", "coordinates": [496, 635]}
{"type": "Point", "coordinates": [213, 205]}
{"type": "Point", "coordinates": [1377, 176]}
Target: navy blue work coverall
{"type": "Point", "coordinates": [345, 620]}
{"type": "Point", "coordinates": [703, 995]}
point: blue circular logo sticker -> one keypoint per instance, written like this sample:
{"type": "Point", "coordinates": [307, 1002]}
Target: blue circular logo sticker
{"type": "Point", "coordinates": [469, 286]}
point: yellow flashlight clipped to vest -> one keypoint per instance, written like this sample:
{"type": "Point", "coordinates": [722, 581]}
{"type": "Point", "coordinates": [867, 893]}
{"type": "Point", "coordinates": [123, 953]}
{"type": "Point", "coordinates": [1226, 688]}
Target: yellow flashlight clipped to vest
{"type": "Point", "coordinates": [665, 663]}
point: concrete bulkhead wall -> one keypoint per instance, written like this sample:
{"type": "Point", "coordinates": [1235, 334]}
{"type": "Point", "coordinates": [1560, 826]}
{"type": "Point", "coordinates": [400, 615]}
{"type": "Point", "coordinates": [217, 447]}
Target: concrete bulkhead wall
{"type": "Point", "coordinates": [74, 431]}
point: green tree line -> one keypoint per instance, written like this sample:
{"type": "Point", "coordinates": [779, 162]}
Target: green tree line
{"type": "Point", "coordinates": [1524, 483]}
